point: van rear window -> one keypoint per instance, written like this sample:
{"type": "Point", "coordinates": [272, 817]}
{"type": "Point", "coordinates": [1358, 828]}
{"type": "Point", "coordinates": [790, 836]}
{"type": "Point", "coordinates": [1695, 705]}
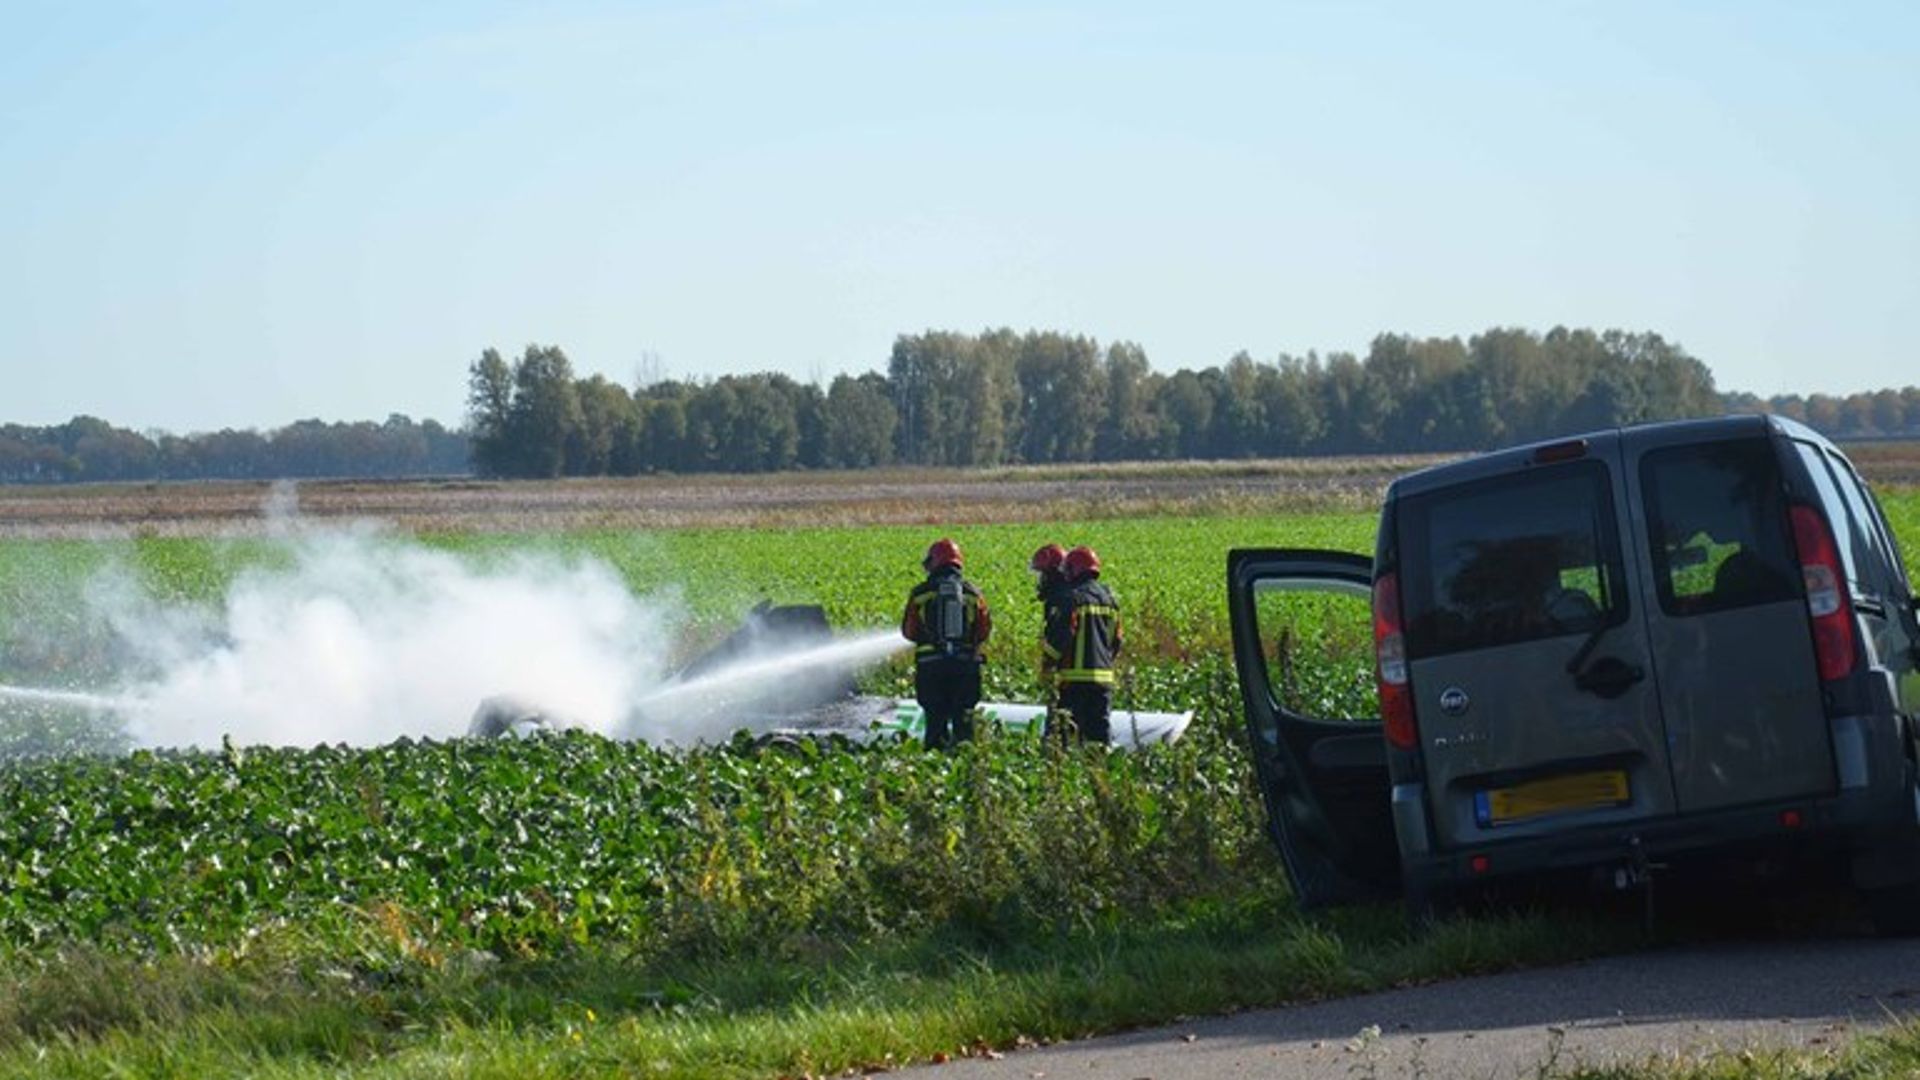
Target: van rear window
{"type": "Point", "coordinates": [1518, 558]}
{"type": "Point", "coordinates": [1717, 524]}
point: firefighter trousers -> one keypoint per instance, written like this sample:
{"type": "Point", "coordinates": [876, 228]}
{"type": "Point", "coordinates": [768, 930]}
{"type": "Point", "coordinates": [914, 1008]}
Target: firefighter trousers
{"type": "Point", "coordinates": [1089, 708]}
{"type": "Point", "coordinates": [947, 690]}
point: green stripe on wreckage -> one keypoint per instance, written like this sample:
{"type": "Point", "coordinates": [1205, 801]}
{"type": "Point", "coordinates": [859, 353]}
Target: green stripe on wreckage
{"type": "Point", "coordinates": [910, 719]}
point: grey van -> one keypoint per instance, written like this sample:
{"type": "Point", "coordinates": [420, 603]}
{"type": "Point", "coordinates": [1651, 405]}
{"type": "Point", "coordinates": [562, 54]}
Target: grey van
{"type": "Point", "coordinates": [1679, 642]}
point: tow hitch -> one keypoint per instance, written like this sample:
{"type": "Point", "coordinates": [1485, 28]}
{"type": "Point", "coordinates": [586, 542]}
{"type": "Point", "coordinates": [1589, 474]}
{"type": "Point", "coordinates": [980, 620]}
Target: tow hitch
{"type": "Point", "coordinates": [1638, 873]}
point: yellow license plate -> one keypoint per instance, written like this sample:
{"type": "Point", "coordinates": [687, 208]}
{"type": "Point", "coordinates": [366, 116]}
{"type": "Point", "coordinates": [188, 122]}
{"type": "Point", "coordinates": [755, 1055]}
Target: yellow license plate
{"type": "Point", "coordinates": [1554, 795]}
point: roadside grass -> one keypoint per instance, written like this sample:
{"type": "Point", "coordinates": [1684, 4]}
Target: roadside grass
{"type": "Point", "coordinates": [804, 1009]}
{"type": "Point", "coordinates": [1892, 1054]}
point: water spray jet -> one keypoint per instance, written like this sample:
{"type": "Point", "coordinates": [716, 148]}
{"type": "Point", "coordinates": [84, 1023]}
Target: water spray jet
{"type": "Point", "coordinates": [72, 699]}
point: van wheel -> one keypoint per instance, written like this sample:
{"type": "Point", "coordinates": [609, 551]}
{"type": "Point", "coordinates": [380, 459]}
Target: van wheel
{"type": "Point", "coordinates": [1894, 909]}
{"type": "Point", "coordinates": [1430, 904]}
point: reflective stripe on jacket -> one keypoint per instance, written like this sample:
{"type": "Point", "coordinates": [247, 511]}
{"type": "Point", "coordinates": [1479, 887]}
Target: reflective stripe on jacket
{"type": "Point", "coordinates": [1088, 640]}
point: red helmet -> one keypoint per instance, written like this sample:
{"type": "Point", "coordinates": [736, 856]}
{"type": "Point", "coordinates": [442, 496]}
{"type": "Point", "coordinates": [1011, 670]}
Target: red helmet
{"type": "Point", "coordinates": [943, 552]}
{"type": "Point", "coordinates": [1048, 559]}
{"type": "Point", "coordinates": [1081, 562]}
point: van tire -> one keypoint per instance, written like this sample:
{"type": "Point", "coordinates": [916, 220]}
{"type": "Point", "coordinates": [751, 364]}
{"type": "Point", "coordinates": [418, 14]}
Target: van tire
{"type": "Point", "coordinates": [1894, 909]}
{"type": "Point", "coordinates": [1428, 904]}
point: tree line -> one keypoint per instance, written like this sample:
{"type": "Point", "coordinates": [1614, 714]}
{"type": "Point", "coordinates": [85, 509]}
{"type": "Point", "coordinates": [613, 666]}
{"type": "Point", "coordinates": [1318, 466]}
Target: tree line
{"type": "Point", "coordinates": [1001, 397]}
{"type": "Point", "coordinates": [992, 398]}
{"type": "Point", "coordinates": [1866, 415]}
{"type": "Point", "coordinates": [90, 449]}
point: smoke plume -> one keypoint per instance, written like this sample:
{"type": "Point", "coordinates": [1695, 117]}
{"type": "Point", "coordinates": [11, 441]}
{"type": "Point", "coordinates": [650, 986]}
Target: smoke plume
{"type": "Point", "coordinates": [361, 637]}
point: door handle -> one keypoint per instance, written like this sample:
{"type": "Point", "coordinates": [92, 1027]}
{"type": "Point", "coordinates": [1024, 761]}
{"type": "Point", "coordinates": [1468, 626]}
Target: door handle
{"type": "Point", "coordinates": [1609, 677]}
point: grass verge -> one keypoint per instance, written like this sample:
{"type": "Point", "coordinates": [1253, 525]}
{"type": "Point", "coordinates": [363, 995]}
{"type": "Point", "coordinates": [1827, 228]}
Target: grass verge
{"type": "Point", "coordinates": [281, 1011]}
{"type": "Point", "coordinates": [1893, 1053]}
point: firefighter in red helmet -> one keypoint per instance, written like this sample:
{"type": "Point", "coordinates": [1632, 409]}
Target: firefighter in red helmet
{"type": "Point", "coordinates": [1049, 567]}
{"type": "Point", "coordinates": [1086, 643]}
{"type": "Point", "coordinates": [948, 623]}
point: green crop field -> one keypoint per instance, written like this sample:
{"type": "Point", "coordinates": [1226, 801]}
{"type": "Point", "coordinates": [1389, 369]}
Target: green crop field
{"type": "Point", "coordinates": [370, 882]}
{"type": "Point", "coordinates": [1170, 571]}
{"type": "Point", "coordinates": [529, 847]}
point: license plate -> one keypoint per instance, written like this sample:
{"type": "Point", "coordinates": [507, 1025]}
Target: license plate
{"type": "Point", "coordinates": [1554, 795]}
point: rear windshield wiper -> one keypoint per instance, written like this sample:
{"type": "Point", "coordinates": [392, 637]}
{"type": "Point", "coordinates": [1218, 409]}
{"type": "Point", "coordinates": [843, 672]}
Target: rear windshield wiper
{"type": "Point", "coordinates": [1586, 647]}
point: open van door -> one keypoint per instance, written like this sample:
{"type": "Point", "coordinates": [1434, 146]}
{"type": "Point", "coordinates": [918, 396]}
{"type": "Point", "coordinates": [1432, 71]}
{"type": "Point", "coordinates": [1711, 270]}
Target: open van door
{"type": "Point", "coordinates": [1303, 648]}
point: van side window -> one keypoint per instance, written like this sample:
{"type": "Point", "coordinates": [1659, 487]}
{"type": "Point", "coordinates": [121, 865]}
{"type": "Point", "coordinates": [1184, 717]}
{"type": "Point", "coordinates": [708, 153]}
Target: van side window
{"type": "Point", "coordinates": [1717, 526]}
{"type": "Point", "coordinates": [1513, 559]}
{"type": "Point", "coordinates": [1878, 553]}
{"type": "Point", "coordinates": [1834, 508]}
{"type": "Point", "coordinates": [1895, 566]}
{"type": "Point", "coordinates": [1318, 647]}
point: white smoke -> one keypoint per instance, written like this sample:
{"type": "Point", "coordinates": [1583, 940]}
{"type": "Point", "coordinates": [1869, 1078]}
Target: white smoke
{"type": "Point", "coordinates": [361, 637]}
{"type": "Point", "coordinates": [352, 634]}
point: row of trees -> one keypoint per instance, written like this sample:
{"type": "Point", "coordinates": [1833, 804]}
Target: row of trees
{"type": "Point", "coordinates": [534, 418]}
{"type": "Point", "coordinates": [992, 398]}
{"type": "Point", "coordinates": [1002, 397]}
{"type": "Point", "coordinates": [89, 449]}
{"type": "Point", "coordinates": [1875, 414]}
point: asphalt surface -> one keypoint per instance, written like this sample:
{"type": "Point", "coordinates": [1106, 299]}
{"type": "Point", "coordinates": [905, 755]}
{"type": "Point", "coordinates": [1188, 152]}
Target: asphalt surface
{"type": "Point", "coordinates": [1815, 994]}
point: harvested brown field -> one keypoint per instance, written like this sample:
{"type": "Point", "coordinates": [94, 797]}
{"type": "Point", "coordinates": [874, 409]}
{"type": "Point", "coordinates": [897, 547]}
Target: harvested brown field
{"type": "Point", "coordinates": [1891, 463]}
{"type": "Point", "coordinates": [892, 496]}
{"type": "Point", "coordinates": [876, 497]}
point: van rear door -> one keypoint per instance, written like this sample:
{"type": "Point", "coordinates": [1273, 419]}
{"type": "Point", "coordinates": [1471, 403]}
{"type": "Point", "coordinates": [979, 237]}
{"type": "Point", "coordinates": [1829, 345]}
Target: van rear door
{"type": "Point", "coordinates": [1727, 620]}
{"type": "Point", "coordinates": [1529, 665]}
{"type": "Point", "coordinates": [1303, 649]}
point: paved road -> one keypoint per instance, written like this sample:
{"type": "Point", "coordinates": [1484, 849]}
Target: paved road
{"type": "Point", "coordinates": [1808, 993]}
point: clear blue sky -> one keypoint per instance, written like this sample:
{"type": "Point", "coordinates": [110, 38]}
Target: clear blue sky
{"type": "Point", "coordinates": [245, 214]}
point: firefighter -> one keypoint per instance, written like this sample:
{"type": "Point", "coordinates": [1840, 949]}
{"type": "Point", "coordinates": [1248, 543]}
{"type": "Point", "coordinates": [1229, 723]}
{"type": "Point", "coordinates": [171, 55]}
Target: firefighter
{"type": "Point", "coordinates": [1050, 588]}
{"type": "Point", "coordinates": [947, 621]}
{"type": "Point", "coordinates": [1087, 641]}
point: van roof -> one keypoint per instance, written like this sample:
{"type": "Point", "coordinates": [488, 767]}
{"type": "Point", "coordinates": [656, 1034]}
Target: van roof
{"type": "Point", "coordinates": [1516, 458]}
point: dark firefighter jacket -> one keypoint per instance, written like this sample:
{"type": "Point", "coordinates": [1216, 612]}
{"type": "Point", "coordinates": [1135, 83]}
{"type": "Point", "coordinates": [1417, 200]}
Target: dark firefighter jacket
{"type": "Point", "coordinates": [1056, 597]}
{"type": "Point", "coordinates": [1085, 642]}
{"type": "Point", "coordinates": [916, 625]}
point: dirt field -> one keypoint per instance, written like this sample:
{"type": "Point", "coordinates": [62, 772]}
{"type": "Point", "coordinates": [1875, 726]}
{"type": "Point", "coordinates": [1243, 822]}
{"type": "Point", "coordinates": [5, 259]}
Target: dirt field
{"type": "Point", "coordinates": [1894, 463]}
{"type": "Point", "coordinates": [874, 497]}
{"type": "Point", "coordinates": [895, 496]}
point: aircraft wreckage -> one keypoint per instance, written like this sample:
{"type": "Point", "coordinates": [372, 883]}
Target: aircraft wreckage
{"type": "Point", "coordinates": [784, 673]}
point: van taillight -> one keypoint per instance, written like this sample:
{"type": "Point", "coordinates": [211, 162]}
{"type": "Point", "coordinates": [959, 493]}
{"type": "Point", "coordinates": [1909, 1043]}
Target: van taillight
{"type": "Point", "coordinates": [1829, 608]}
{"type": "Point", "coordinates": [1390, 669]}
